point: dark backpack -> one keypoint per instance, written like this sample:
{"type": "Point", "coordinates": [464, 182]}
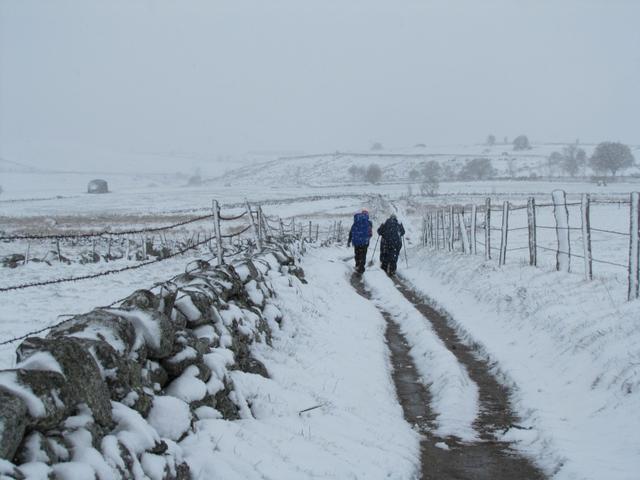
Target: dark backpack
{"type": "Point", "coordinates": [391, 232]}
{"type": "Point", "coordinates": [360, 232]}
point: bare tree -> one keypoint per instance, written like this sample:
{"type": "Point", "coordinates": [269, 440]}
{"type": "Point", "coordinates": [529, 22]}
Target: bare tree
{"type": "Point", "coordinates": [573, 159]}
{"type": "Point", "coordinates": [429, 186]}
{"type": "Point", "coordinates": [477, 169]}
{"type": "Point", "coordinates": [431, 169]}
{"type": "Point", "coordinates": [554, 161]}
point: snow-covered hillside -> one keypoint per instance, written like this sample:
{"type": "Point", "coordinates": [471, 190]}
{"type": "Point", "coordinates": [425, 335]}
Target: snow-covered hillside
{"type": "Point", "coordinates": [399, 165]}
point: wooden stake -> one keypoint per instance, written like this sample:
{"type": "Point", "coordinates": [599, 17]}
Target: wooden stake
{"type": "Point", "coordinates": [474, 220]}
{"type": "Point", "coordinates": [561, 214]}
{"type": "Point", "coordinates": [218, 233]}
{"type": "Point", "coordinates": [634, 252]}
{"type": "Point", "coordinates": [504, 232]}
{"type": "Point", "coordinates": [464, 237]}
{"type": "Point", "coordinates": [487, 229]}
{"type": "Point", "coordinates": [531, 226]}
{"type": "Point", "coordinates": [451, 228]}
{"type": "Point", "coordinates": [586, 236]}
{"type": "Point", "coordinates": [254, 228]}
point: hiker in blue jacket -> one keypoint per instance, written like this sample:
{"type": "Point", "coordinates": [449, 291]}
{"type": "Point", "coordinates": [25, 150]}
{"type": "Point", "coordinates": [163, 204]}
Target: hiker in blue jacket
{"type": "Point", "coordinates": [359, 236]}
{"type": "Point", "coordinates": [391, 232]}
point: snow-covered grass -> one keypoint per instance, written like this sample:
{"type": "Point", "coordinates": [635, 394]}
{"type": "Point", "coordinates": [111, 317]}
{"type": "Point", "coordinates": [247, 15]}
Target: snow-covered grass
{"type": "Point", "coordinates": [567, 348]}
{"type": "Point", "coordinates": [329, 354]}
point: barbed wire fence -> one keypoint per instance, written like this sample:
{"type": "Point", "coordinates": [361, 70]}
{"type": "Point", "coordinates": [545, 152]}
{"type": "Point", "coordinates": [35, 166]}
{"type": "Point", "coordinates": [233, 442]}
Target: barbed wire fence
{"type": "Point", "coordinates": [258, 223]}
{"type": "Point", "coordinates": [504, 231]}
{"type": "Point", "coordinates": [262, 233]}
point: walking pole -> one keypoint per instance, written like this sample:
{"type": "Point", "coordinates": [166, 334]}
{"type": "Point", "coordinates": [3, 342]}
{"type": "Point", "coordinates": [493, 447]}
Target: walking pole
{"type": "Point", "coordinates": [405, 252]}
{"type": "Point", "coordinates": [374, 252]}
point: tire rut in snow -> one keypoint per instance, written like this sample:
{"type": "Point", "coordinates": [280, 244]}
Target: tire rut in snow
{"type": "Point", "coordinates": [488, 459]}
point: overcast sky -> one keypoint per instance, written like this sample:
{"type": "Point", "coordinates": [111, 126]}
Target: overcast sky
{"type": "Point", "coordinates": [211, 77]}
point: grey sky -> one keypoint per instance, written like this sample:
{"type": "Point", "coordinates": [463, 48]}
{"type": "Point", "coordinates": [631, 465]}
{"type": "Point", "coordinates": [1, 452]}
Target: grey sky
{"type": "Point", "coordinates": [214, 77]}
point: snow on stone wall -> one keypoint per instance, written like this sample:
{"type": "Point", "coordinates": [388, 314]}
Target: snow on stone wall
{"type": "Point", "coordinates": [109, 394]}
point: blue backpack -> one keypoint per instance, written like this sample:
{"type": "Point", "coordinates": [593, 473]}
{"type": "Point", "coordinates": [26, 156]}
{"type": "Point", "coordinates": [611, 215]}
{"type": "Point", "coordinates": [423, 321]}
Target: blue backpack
{"type": "Point", "coordinates": [360, 230]}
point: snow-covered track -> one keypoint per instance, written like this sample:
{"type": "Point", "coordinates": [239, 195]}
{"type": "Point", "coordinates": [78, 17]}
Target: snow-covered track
{"type": "Point", "coordinates": [448, 457]}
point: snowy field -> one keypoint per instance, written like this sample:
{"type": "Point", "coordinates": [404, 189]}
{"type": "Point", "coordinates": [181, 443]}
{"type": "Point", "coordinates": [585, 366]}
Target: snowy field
{"type": "Point", "coordinates": [566, 348]}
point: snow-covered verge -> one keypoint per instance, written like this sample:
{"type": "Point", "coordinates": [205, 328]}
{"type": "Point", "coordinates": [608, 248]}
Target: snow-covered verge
{"type": "Point", "coordinates": [111, 393]}
{"type": "Point", "coordinates": [567, 349]}
{"type": "Point", "coordinates": [329, 353]}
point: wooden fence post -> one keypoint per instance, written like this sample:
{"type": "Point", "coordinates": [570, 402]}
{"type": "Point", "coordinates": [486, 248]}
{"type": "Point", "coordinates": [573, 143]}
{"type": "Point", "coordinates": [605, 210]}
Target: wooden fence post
{"type": "Point", "coordinates": [254, 228]}
{"type": "Point", "coordinates": [504, 233]}
{"type": "Point", "coordinates": [464, 237]}
{"type": "Point", "coordinates": [561, 214]}
{"type": "Point", "coordinates": [474, 220]}
{"type": "Point", "coordinates": [261, 230]}
{"type": "Point", "coordinates": [451, 228]}
{"type": "Point", "coordinates": [281, 229]}
{"type": "Point", "coordinates": [144, 247]}
{"type": "Point", "coordinates": [263, 224]}
{"type": "Point", "coordinates": [443, 227]}
{"type": "Point", "coordinates": [586, 236]}
{"type": "Point", "coordinates": [531, 226]}
{"type": "Point", "coordinates": [293, 226]}
{"type": "Point", "coordinates": [487, 229]}
{"type": "Point", "coordinates": [216, 226]}
{"type": "Point", "coordinates": [437, 232]}
{"type": "Point", "coordinates": [634, 223]}
{"type": "Point", "coordinates": [317, 231]}
{"type": "Point", "coordinates": [432, 226]}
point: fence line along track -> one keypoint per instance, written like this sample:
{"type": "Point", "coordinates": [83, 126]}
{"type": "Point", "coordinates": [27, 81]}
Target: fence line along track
{"type": "Point", "coordinates": [105, 232]}
{"type": "Point", "coordinates": [257, 222]}
{"type": "Point", "coordinates": [44, 329]}
{"type": "Point", "coordinates": [457, 227]}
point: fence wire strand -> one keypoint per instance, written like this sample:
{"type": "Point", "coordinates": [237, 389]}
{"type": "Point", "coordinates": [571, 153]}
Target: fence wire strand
{"type": "Point", "coordinates": [104, 232]}
{"type": "Point", "coordinates": [231, 218]}
{"type": "Point", "coordinates": [107, 272]}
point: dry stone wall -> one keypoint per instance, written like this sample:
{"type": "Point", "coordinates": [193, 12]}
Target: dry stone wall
{"type": "Point", "coordinates": [109, 394]}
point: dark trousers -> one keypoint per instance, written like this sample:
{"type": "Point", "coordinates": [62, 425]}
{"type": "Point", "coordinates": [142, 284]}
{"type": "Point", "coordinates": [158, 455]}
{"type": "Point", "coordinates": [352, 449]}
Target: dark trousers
{"type": "Point", "coordinates": [389, 257]}
{"type": "Point", "coordinates": [393, 265]}
{"type": "Point", "coordinates": [361, 257]}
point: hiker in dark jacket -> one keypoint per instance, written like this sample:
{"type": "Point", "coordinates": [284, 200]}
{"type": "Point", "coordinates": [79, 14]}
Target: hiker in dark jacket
{"type": "Point", "coordinates": [359, 236]}
{"type": "Point", "coordinates": [391, 233]}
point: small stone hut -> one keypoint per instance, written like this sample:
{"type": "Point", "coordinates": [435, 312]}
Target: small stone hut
{"type": "Point", "coordinates": [98, 186]}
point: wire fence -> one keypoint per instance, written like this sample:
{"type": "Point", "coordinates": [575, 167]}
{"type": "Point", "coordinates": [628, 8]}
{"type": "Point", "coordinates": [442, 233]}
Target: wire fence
{"type": "Point", "coordinates": [103, 233]}
{"type": "Point", "coordinates": [559, 228]}
{"type": "Point", "coordinates": [237, 243]}
{"type": "Point", "coordinates": [238, 251]}
{"type": "Point", "coordinates": [257, 223]}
